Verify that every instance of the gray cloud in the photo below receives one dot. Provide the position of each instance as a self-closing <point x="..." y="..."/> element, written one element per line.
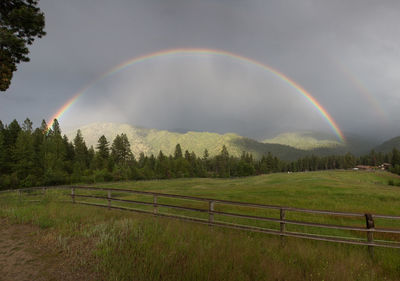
<point x="310" y="41"/>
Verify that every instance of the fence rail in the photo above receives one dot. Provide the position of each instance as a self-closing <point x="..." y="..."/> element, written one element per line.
<point x="281" y="221"/>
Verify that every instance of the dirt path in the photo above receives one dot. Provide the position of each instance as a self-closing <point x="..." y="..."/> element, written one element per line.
<point x="23" y="258"/>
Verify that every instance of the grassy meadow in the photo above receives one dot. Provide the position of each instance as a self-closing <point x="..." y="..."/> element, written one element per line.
<point x="121" y="245"/>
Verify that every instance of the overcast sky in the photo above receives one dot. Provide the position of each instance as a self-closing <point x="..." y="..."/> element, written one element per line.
<point x="345" y="53"/>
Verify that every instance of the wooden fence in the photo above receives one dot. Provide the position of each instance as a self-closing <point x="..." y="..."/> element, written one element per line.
<point x="368" y="229"/>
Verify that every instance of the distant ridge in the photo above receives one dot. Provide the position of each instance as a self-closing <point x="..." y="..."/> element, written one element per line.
<point x="388" y="146"/>
<point x="151" y="141"/>
<point x="306" y="140"/>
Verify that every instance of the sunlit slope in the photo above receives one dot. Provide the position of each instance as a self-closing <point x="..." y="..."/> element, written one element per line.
<point x="150" y="141"/>
<point x="306" y="140"/>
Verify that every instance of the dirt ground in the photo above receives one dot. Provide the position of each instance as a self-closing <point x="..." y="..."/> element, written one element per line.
<point x="24" y="257"/>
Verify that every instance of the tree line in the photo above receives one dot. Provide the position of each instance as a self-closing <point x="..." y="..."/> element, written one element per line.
<point x="42" y="156"/>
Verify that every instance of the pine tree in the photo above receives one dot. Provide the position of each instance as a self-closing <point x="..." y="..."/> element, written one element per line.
<point x="56" y="142"/>
<point x="187" y="155"/>
<point x="178" y="151"/>
<point x="27" y="125"/>
<point x="103" y="147"/>
<point x="223" y="163"/>
<point x="55" y="128"/>
<point x="69" y="155"/>
<point x="205" y="155"/>
<point x="38" y="145"/>
<point x="395" y="157"/>
<point x="81" y="151"/>
<point x="121" y="150"/>
<point x="349" y="161"/>
<point x="162" y="168"/>
<point x="10" y="135"/>
<point x="142" y="160"/>
<point x="2" y="152"/>
<point x="20" y="21"/>
<point x="24" y="156"/>
<point x="102" y="156"/>
<point x="43" y="126"/>
<point x="91" y="159"/>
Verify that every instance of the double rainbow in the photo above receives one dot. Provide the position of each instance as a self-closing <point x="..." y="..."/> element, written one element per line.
<point x="208" y="52"/>
<point x="360" y="86"/>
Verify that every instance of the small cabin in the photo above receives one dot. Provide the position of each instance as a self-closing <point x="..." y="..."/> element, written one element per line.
<point x="364" y="167"/>
<point x="385" y="166"/>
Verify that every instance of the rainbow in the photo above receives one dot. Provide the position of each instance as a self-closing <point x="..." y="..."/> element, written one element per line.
<point x="194" y="51"/>
<point x="378" y="109"/>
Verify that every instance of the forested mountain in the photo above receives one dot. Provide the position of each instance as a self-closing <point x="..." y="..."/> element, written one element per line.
<point x="151" y="141"/>
<point x="306" y="140"/>
<point x="290" y="146"/>
<point x="43" y="156"/>
<point x="323" y="143"/>
<point x="388" y="146"/>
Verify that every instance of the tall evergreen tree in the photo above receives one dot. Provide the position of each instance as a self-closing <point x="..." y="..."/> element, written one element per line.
<point x="54" y="156"/>
<point x="43" y="126"/>
<point x="2" y="153"/>
<point x="178" y="151"/>
<point x="69" y="155"/>
<point x="55" y="128"/>
<point x="121" y="150"/>
<point x="20" y="21"/>
<point x="395" y="157"/>
<point x="81" y="151"/>
<point x="102" y="156"/>
<point x="10" y="135"/>
<point x="27" y="125"/>
<point x="24" y="157"/>
<point x="205" y="154"/>
<point x="103" y="148"/>
<point x="57" y="143"/>
<point x="222" y="163"/>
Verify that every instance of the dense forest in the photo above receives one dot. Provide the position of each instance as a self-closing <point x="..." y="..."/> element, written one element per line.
<point x="42" y="156"/>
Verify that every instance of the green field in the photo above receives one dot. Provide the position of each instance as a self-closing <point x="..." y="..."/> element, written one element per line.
<point x="121" y="245"/>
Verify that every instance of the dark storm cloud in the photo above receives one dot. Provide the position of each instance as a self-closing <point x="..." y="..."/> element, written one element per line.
<point x="310" y="41"/>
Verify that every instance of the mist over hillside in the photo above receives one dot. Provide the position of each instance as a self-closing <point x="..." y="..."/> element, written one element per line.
<point x="388" y="145"/>
<point x="288" y="146"/>
<point x="306" y="140"/>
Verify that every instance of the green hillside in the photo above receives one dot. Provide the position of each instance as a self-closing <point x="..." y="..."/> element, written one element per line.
<point x="151" y="141"/>
<point x="388" y="146"/>
<point x="289" y="146"/>
<point x="323" y="144"/>
<point x="305" y="140"/>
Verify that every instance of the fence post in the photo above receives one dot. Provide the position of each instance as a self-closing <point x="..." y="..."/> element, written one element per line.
<point x="370" y="234"/>
<point x="155" y="208"/>
<point x="109" y="199"/>
<point x="73" y="194"/>
<point x="283" y="224"/>
<point x="211" y="211"/>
